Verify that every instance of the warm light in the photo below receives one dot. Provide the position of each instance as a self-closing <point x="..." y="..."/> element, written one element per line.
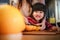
<point x="11" y="20"/>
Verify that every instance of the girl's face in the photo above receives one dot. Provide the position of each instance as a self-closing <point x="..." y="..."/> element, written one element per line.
<point x="26" y="9"/>
<point x="38" y="15"/>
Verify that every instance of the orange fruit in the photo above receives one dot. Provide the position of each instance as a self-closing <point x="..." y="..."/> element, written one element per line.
<point x="37" y="28"/>
<point x="30" y="27"/>
<point x="11" y="20"/>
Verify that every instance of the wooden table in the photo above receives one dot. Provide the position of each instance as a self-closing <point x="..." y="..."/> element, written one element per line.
<point x="41" y="35"/>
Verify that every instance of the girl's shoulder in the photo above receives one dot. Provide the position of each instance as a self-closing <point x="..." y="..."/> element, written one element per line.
<point x="29" y="18"/>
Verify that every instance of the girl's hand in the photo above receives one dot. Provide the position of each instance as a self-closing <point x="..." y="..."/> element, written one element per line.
<point x="54" y="28"/>
<point x="38" y="24"/>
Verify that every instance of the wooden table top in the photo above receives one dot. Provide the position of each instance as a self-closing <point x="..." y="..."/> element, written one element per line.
<point x="40" y="33"/>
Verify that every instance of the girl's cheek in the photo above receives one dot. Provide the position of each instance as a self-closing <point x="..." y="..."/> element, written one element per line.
<point x="34" y="14"/>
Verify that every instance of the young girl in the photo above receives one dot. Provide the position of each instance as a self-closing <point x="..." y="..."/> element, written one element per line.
<point x="38" y="17"/>
<point x="25" y="7"/>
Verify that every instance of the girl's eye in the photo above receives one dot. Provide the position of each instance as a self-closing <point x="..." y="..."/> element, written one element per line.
<point x="36" y="11"/>
<point x="41" y="12"/>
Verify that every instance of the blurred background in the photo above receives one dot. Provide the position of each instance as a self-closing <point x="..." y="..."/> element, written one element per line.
<point x="52" y="16"/>
<point x="53" y="11"/>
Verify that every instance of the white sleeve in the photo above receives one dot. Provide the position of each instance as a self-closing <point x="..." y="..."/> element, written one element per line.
<point x="43" y="24"/>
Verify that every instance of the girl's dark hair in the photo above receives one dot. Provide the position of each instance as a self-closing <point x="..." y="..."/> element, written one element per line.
<point x="38" y="7"/>
<point x="28" y="1"/>
<point x="19" y="4"/>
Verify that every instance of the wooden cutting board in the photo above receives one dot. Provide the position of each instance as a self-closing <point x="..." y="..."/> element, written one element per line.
<point x="38" y="33"/>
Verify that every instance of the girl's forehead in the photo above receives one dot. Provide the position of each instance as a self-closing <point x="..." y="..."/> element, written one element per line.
<point x="38" y="11"/>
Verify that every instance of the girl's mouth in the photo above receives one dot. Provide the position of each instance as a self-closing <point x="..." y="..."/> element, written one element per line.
<point x="38" y="16"/>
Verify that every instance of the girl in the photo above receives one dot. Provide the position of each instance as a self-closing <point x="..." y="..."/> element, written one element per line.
<point x="38" y="17"/>
<point x="25" y="6"/>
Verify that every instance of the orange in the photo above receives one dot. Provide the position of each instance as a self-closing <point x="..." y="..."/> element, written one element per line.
<point x="11" y="20"/>
<point x="30" y="27"/>
<point x="37" y="28"/>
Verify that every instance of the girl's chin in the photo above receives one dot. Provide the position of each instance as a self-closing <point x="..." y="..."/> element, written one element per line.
<point x="38" y="19"/>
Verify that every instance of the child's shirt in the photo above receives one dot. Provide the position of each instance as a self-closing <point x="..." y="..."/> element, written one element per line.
<point x="46" y="26"/>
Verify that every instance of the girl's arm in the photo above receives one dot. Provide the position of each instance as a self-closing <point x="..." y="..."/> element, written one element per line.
<point x="51" y="27"/>
<point x="48" y="24"/>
